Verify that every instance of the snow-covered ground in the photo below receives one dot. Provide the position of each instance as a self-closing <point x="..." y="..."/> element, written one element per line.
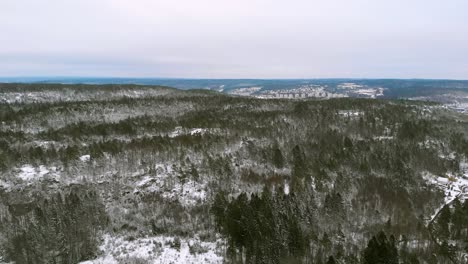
<point x="158" y="249"/>
<point x="382" y="138"/>
<point x="4" y="184"/>
<point x="187" y="192"/>
<point x="178" y="131"/>
<point x="85" y="158"/>
<point x="69" y="95"/>
<point x="350" y="113"/>
<point x="29" y="173"/>
<point x="453" y="187"/>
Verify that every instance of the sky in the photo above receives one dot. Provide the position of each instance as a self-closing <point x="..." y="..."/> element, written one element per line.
<point x="235" y="39"/>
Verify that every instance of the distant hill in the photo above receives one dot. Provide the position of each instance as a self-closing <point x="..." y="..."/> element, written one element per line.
<point x="393" y="88"/>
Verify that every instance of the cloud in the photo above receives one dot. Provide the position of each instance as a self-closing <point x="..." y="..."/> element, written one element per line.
<point x="243" y="38"/>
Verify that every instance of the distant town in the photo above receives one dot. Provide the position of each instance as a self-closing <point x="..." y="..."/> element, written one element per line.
<point x="312" y="91"/>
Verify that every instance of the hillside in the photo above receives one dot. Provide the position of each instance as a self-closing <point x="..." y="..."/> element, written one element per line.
<point x="151" y="174"/>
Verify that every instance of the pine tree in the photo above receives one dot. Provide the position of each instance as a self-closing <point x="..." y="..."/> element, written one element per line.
<point x="381" y="250"/>
<point x="299" y="170"/>
<point x="443" y="222"/>
<point x="278" y="160"/>
<point x="457" y="219"/>
<point x="194" y="172"/>
<point x="331" y="260"/>
<point x="219" y="210"/>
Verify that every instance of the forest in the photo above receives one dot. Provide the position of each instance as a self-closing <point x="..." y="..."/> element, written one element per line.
<point x="97" y="172"/>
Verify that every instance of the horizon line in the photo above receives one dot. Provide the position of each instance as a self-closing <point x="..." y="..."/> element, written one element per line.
<point x="44" y="78"/>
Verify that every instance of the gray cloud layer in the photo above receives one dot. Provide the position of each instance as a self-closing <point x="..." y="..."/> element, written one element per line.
<point x="231" y="39"/>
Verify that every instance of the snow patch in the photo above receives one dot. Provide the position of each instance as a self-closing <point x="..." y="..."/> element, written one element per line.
<point x="350" y="113"/>
<point x="29" y="173"/>
<point x="198" y="131"/>
<point x="157" y="249"/>
<point x="85" y="158"/>
<point x="452" y="186"/>
<point x="4" y="184"/>
<point x="188" y="194"/>
<point x="178" y="131"/>
<point x="187" y="191"/>
<point x="382" y="138"/>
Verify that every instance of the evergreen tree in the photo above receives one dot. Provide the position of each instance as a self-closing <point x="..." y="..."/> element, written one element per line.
<point x="458" y="219"/>
<point x="299" y="170"/>
<point x="278" y="160"/>
<point x="381" y="250"/>
<point x="194" y="172"/>
<point x="331" y="260"/>
<point x="219" y="210"/>
<point x="443" y="222"/>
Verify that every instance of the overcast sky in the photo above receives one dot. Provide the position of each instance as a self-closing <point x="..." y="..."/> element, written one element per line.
<point x="235" y="38"/>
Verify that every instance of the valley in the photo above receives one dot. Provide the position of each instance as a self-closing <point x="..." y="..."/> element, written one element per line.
<point x="152" y="174"/>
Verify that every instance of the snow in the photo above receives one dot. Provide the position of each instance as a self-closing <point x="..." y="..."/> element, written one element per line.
<point x="382" y="138"/>
<point x="108" y="259"/>
<point x="157" y="249"/>
<point x="69" y="95"/>
<point x="188" y="192"/>
<point x="29" y="173"/>
<point x="144" y="181"/>
<point x="44" y="144"/>
<point x="43" y="171"/>
<point x="453" y="187"/>
<point x="198" y="131"/>
<point x="442" y="180"/>
<point x="4" y="184"/>
<point x="350" y="113"/>
<point x="178" y="131"/>
<point x="85" y="158"/>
